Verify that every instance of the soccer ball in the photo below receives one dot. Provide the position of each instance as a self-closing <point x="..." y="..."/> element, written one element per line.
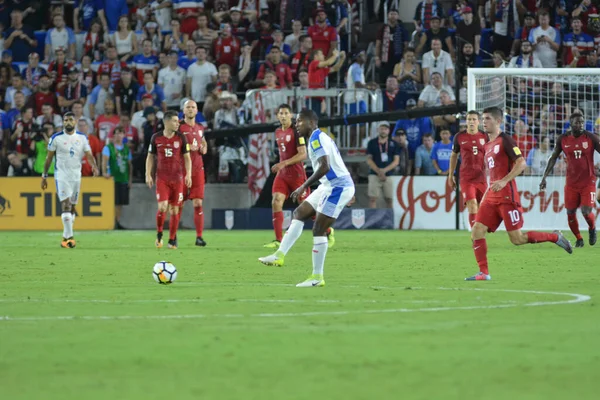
<point x="164" y="272"/>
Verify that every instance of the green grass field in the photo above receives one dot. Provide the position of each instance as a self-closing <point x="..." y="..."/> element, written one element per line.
<point x="396" y="319"/>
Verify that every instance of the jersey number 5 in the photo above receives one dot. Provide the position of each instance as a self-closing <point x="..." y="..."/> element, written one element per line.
<point x="282" y="147"/>
<point x="168" y="152"/>
<point x="475" y="150"/>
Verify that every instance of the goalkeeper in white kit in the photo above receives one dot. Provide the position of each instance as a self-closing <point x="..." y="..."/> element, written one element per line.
<point x="69" y="147"/>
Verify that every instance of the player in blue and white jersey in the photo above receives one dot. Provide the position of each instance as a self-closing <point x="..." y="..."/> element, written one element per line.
<point x="327" y="202"/>
<point x="69" y="147"/>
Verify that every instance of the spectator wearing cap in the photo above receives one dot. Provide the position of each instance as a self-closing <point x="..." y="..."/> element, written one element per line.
<point x="545" y="40"/>
<point x="126" y="91"/>
<point x="301" y="57"/>
<point x="240" y="26"/>
<point x="200" y="74"/>
<point x="47" y="116"/>
<point x="18" y="85"/>
<point x="415" y="128"/>
<point x="84" y="13"/>
<point x="187" y="12"/>
<point x="146" y="61"/>
<point x="293" y="39"/>
<point x="226" y="115"/>
<point x="468" y="29"/>
<point x="19" y="38"/>
<point x="324" y="37"/>
<point x="101" y="92"/>
<point x="436" y="32"/>
<point x="59" y="37"/>
<point x="139" y="117"/>
<point x="405" y="162"/>
<point x="425" y="12"/>
<point x="430" y="96"/>
<point x="32" y="73"/>
<point x="149" y="87"/>
<point x="226" y="48"/>
<point x="275" y="64"/>
<point x="203" y="36"/>
<point x="383" y="156"/>
<point x="286" y="51"/>
<point x="391" y="41"/>
<point x="437" y="60"/>
<point x="395" y="99"/>
<point x="457" y="14"/>
<point x="523" y="33"/>
<point x="172" y="80"/>
<point x="576" y="45"/>
<point x="73" y="91"/>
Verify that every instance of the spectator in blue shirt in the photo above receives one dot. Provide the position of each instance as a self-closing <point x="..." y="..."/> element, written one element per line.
<point x="158" y="96"/>
<point x="60" y="36"/>
<point x="111" y="12"/>
<point x="423" y="161"/>
<point x="415" y="128"/>
<point x="440" y="155"/>
<point x="84" y="13"/>
<point x="19" y="38"/>
<point x="383" y="156"/>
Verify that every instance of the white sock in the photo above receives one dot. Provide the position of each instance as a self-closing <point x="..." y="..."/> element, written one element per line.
<point x="73" y="218"/>
<point x="319" y="252"/>
<point x="67" y="219"/>
<point x="290" y="237"/>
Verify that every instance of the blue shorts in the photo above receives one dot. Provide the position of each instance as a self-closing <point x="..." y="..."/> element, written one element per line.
<point x="356" y="108"/>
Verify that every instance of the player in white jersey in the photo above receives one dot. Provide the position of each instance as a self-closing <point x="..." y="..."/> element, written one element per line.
<point x="69" y="147"/>
<point x="327" y="202"/>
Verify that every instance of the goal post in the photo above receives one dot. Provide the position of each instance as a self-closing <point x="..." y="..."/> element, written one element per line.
<point x="537" y="104"/>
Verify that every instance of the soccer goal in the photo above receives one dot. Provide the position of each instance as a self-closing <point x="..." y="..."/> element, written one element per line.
<point x="537" y="104"/>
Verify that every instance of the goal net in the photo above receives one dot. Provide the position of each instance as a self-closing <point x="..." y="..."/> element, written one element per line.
<point x="537" y="103"/>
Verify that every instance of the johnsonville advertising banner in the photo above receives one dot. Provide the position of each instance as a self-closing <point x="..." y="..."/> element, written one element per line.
<point x="428" y="203"/>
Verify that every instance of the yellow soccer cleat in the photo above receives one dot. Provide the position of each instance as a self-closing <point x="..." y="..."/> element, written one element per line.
<point x="273" y="245"/>
<point x="275" y="260"/>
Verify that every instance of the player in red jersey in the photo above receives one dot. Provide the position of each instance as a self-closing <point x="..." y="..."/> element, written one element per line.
<point x="580" y="189"/>
<point x="471" y="147"/>
<point x="194" y="134"/>
<point x="169" y="147"/>
<point x="501" y="201"/>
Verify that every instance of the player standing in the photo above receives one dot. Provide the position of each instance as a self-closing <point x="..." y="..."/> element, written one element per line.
<point x="69" y="146"/>
<point x="473" y="182"/>
<point x="580" y="190"/>
<point x="194" y="134"/>
<point x="327" y="202"/>
<point x="501" y="201"/>
<point x="169" y="147"/>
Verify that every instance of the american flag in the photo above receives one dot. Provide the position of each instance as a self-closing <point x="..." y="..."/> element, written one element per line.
<point x="258" y="157"/>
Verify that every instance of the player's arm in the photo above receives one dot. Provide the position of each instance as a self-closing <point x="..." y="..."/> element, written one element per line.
<point x="150" y="161"/>
<point x="298" y="158"/>
<point x="47" y="163"/>
<point x="519" y="164"/>
<point x="187" y="160"/>
<point x="453" y="163"/>
<point x="551" y="162"/>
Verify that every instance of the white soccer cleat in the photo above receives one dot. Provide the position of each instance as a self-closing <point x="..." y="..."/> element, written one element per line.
<point x="274" y="260"/>
<point x="313" y="281"/>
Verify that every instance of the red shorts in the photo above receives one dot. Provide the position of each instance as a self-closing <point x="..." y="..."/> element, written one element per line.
<point x="575" y="198"/>
<point x="492" y="215"/>
<point x="286" y="184"/>
<point x="170" y="191"/>
<point x="197" y="189"/>
<point x="472" y="191"/>
<point x="189" y="25"/>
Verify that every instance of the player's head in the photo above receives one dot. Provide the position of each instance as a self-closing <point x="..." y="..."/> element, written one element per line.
<point x="306" y="122"/>
<point x="472" y="121"/>
<point x="492" y="118"/>
<point x="190" y="109"/>
<point x="284" y="114"/>
<point x="171" y="121"/>
<point x="577" y="122"/>
<point x="69" y="122"/>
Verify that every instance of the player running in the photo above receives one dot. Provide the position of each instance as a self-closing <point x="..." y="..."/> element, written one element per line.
<point x="194" y="134"/>
<point x="169" y="147"/>
<point x="580" y="190"/>
<point x="501" y="201"/>
<point x="327" y="202"/>
<point x="69" y="147"/>
<point x="473" y="182"/>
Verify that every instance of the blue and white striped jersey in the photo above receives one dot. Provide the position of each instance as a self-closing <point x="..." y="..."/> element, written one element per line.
<point x="320" y="144"/>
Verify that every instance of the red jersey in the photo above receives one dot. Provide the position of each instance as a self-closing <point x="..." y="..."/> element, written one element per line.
<point x="282" y="71"/>
<point x="500" y="156"/>
<point x="322" y="37"/>
<point x="105" y="125"/>
<point x="59" y="69"/>
<point x="300" y="60"/>
<point x="226" y="51"/>
<point x="526" y="143"/>
<point x="193" y="135"/>
<point x="96" y="147"/>
<point x="169" y="153"/>
<point x="113" y="69"/>
<point x="41" y="98"/>
<point x="580" y="158"/>
<point x="316" y="75"/>
<point x="288" y="141"/>
<point x="472" y="153"/>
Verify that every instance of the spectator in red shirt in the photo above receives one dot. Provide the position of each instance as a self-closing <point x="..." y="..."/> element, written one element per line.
<point x="274" y="63"/>
<point x="43" y="95"/>
<point x="300" y="59"/>
<point x="107" y="122"/>
<point x="324" y="37"/>
<point x="96" y="147"/>
<point x="226" y="48"/>
<point x="112" y="65"/>
<point x="58" y="69"/>
<point x="524" y="139"/>
<point x="318" y="70"/>
<point x="131" y="133"/>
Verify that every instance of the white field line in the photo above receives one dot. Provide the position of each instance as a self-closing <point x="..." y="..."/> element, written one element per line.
<point x="144" y="301"/>
<point x="574" y="298"/>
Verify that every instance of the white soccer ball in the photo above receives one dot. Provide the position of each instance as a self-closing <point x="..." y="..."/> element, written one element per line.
<point x="164" y="272"/>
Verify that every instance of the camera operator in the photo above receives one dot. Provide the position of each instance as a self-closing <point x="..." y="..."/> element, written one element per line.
<point x="39" y="148"/>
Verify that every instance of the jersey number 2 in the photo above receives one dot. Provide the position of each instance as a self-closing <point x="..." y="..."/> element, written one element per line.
<point x="490" y="163"/>
<point x="168" y="152"/>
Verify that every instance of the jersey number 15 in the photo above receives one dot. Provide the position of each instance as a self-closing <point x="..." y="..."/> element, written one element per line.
<point x="168" y="152"/>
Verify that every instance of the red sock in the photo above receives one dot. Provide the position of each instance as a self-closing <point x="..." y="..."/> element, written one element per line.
<point x="591" y="220"/>
<point x="278" y="225"/>
<point x="574" y="225"/>
<point x="199" y="220"/>
<point x="173" y="225"/>
<point x="541" y="237"/>
<point x="472" y="219"/>
<point x="480" y="250"/>
<point x="328" y="231"/>
<point x="160" y="221"/>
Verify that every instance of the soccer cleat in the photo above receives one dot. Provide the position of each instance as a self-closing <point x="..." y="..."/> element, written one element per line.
<point x="275" y="259"/>
<point x="273" y="245"/>
<point x="172" y="244"/>
<point x="200" y="242"/>
<point x="479" y="277"/>
<point x="71" y="243"/>
<point x="313" y="281"/>
<point x="579" y="243"/>
<point x="64" y="243"/>
<point x="592" y="236"/>
<point x="563" y="242"/>
<point x="159" y="242"/>
<point x="331" y="238"/>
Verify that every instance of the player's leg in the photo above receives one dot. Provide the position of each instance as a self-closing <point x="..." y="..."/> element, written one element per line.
<point x="67" y="220"/>
<point x="487" y="220"/>
<point x="588" y="200"/>
<point x="175" y="201"/>
<point x="162" y="198"/>
<point x="572" y="202"/>
<point x="197" y="195"/>
<point x="471" y="195"/>
<point x="280" y="192"/>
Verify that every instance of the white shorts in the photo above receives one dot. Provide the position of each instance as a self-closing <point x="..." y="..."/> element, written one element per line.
<point x="68" y="190"/>
<point x="329" y="200"/>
